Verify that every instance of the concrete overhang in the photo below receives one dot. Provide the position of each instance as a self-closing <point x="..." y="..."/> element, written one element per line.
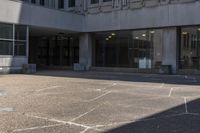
<point x="146" y="17"/>
<point x="20" y="13"/>
<point x="168" y="15"/>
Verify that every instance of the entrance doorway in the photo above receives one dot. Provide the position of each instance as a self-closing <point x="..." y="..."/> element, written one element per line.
<point x="54" y="52"/>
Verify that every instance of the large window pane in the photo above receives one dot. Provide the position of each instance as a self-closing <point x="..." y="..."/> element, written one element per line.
<point x="190" y="48"/>
<point x="6" y="31"/>
<point x="20" y="32"/>
<point x="60" y="4"/>
<point x="20" y="48"/>
<point x="94" y="1"/>
<point x="71" y="3"/>
<point x="6" y="47"/>
<point x="135" y="49"/>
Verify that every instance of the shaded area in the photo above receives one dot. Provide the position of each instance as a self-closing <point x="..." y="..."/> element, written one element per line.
<point x="166" y="122"/>
<point x="131" y="77"/>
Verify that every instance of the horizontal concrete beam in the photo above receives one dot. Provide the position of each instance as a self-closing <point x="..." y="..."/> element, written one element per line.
<point x="27" y="14"/>
<point x="147" y="17"/>
<point x="165" y="15"/>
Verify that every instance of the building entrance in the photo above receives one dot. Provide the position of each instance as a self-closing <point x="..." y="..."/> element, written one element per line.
<point x="54" y="52"/>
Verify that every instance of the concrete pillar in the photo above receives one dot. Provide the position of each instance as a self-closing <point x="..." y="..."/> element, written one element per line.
<point x="85" y="50"/>
<point x="170" y="48"/>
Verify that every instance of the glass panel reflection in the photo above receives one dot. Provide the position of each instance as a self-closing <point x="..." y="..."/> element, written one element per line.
<point x="190" y="48"/>
<point x="135" y="49"/>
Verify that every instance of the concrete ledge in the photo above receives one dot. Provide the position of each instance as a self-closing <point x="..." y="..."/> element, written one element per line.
<point x="129" y="70"/>
<point x="7" y="70"/>
<point x="188" y="71"/>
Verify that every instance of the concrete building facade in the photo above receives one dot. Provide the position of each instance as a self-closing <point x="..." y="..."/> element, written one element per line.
<point x="110" y="35"/>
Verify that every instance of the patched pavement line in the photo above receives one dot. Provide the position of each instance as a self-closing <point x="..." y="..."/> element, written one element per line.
<point x="82" y="115"/>
<point x="47" y="88"/>
<point x="113" y="84"/>
<point x="63" y="122"/>
<point x="96" y="98"/>
<point x="186" y="107"/>
<point x="170" y="92"/>
<point x="35" y="128"/>
<point x="6" y="109"/>
<point x="78" y="117"/>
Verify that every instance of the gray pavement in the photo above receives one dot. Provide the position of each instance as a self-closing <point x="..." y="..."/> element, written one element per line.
<point x="90" y="102"/>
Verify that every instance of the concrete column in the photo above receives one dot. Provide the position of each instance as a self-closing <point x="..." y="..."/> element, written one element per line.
<point x="85" y="50"/>
<point x="170" y="48"/>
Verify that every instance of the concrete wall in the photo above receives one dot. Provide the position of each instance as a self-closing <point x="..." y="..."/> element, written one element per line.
<point x="147" y="17"/>
<point x="18" y="13"/>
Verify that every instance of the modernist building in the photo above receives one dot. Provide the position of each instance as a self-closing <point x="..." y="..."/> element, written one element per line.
<point x="123" y="35"/>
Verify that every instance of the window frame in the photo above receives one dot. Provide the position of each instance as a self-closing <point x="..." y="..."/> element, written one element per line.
<point x="13" y="41"/>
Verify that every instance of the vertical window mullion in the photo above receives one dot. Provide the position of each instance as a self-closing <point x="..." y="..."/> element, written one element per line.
<point x="27" y="41"/>
<point x="13" y="39"/>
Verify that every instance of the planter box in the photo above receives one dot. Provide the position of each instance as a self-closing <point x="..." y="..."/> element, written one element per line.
<point x="79" y="67"/>
<point x="29" y="68"/>
<point x="165" y="69"/>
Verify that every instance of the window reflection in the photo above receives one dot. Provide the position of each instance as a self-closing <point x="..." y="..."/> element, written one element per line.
<point x="6" y="31"/>
<point x="190" y="48"/>
<point x="6" y="47"/>
<point x="9" y="38"/>
<point x="135" y="49"/>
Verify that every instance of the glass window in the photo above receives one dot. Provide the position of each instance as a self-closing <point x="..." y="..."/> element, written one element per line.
<point x="107" y="0"/>
<point x="42" y="2"/>
<point x="20" y="48"/>
<point x="6" y="47"/>
<point x="20" y="40"/>
<point x="71" y="3"/>
<point x="94" y="1"/>
<point x="190" y="48"/>
<point x="33" y="1"/>
<point x="60" y="4"/>
<point x="135" y="49"/>
<point x="20" y="32"/>
<point x="6" y="31"/>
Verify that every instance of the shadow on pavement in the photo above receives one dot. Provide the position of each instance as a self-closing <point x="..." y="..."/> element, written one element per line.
<point x="174" y="120"/>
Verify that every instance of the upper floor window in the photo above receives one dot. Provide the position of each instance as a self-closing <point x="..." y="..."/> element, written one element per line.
<point x="60" y="4"/>
<point x="71" y="3"/>
<point x="94" y="1"/>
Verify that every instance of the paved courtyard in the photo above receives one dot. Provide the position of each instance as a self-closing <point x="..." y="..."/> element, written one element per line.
<point x="90" y="102"/>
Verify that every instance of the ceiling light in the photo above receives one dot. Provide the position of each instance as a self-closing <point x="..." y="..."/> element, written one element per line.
<point x="143" y="35"/>
<point x="113" y="34"/>
<point x="136" y="37"/>
<point x="109" y="36"/>
<point x="107" y="39"/>
<point x="152" y="32"/>
<point x="184" y="33"/>
<point x="198" y="29"/>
